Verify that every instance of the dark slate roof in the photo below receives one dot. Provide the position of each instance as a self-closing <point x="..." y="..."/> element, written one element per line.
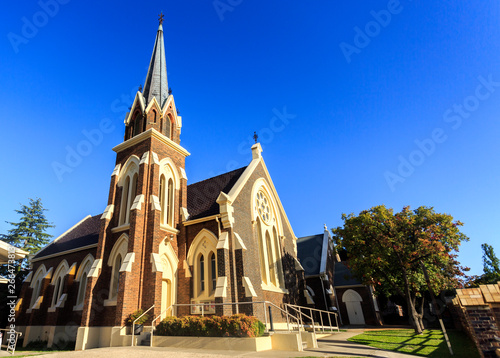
<point x="344" y="276"/>
<point x="202" y="196"/>
<point x="309" y="252"/>
<point x="84" y="234"/>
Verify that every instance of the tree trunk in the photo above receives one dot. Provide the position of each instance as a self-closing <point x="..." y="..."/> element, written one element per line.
<point x="412" y="313"/>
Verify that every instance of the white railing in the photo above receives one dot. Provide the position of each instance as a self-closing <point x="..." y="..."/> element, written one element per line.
<point x="265" y="304"/>
<point x="133" y="324"/>
<point x="300" y="309"/>
<point x="11" y="341"/>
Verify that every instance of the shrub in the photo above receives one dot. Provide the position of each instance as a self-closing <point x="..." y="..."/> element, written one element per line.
<point x="216" y="326"/>
<point x="134" y="315"/>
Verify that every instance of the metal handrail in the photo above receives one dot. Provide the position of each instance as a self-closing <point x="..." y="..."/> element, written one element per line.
<point x="287" y="314"/>
<point x="10" y="348"/>
<point x="133" y="324"/>
<point x="302" y="314"/>
<point x="299" y="308"/>
<point x="153" y="324"/>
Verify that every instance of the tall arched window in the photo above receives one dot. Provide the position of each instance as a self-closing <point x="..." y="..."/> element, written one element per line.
<point x="213" y="271"/>
<point x="128" y="181"/>
<point x="124" y="203"/>
<point x="58" y="282"/>
<point x="201" y="268"/>
<point x="57" y="291"/>
<point x="277" y="250"/>
<point x="270" y="259"/>
<point x="168" y="125"/>
<point x="137" y="124"/>
<point x="268" y="239"/>
<point x="162" y="199"/>
<point x="170" y="203"/>
<point x="169" y="183"/>
<point x="81" y="278"/>
<point x="202" y="257"/>
<point x="115" y="277"/>
<point x="262" y="253"/>
<point x="115" y="260"/>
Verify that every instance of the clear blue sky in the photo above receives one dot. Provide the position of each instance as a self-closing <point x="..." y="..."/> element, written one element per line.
<point x="357" y="96"/>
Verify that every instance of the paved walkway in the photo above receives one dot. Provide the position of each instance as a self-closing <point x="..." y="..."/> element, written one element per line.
<point x="332" y="345"/>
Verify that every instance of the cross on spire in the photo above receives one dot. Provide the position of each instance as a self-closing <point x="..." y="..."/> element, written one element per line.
<point x="255" y="136"/>
<point x="160" y="18"/>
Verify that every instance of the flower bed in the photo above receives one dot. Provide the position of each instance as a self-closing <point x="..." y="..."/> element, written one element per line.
<point x="215" y="326"/>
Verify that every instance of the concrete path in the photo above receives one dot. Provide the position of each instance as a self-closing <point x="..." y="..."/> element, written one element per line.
<point x="332" y="345"/>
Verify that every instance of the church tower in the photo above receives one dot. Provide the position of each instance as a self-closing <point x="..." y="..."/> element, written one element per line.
<point x="137" y="253"/>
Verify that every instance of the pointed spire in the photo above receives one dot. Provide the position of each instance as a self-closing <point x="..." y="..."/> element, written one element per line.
<point x="156" y="84"/>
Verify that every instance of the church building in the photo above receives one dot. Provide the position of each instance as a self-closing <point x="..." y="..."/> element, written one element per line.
<point x="161" y="242"/>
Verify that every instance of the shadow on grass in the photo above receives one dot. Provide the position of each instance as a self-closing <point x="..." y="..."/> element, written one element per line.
<point x="429" y="344"/>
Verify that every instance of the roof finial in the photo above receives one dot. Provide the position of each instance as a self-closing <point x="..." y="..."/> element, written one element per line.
<point x="326" y="228"/>
<point x="255" y="136"/>
<point x="160" y="18"/>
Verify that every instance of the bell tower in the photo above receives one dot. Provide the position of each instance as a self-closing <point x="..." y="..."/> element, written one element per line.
<point x="137" y="253"/>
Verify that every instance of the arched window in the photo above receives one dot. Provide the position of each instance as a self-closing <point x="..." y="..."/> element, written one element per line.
<point x="162" y="199"/>
<point x="202" y="256"/>
<point x="58" y="282"/>
<point x="262" y="253"/>
<point x="115" y="260"/>
<point x="170" y="202"/>
<point x="36" y="283"/>
<point x="115" y="278"/>
<point x="169" y="183"/>
<point x="201" y="277"/>
<point x="277" y="250"/>
<point x="154" y="116"/>
<point x="213" y="271"/>
<point x="168" y="125"/>
<point x="57" y="292"/>
<point x="270" y="259"/>
<point x="268" y="239"/>
<point x="124" y="204"/>
<point x="161" y="125"/>
<point x="129" y="183"/>
<point x="81" y="277"/>
<point x="137" y="124"/>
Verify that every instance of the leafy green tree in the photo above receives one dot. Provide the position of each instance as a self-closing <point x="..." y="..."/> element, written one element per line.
<point x="29" y="233"/>
<point x="388" y="250"/>
<point x="491" y="265"/>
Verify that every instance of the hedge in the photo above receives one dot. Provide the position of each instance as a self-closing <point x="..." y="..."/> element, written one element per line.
<point x="238" y="325"/>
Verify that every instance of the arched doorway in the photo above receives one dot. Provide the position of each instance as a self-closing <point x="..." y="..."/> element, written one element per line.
<point x="353" y="300"/>
<point x="169" y="279"/>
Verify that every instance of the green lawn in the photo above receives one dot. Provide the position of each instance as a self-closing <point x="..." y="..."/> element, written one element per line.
<point x="429" y="344"/>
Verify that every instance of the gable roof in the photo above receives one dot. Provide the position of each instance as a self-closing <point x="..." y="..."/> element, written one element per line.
<point x="85" y="233"/>
<point x="310" y="253"/>
<point x="202" y="196"/>
<point x="344" y="276"/>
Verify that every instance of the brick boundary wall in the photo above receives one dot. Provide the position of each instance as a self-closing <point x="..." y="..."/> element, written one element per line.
<point x="477" y="312"/>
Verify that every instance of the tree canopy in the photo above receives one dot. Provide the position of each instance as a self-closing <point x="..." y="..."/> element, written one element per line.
<point x="388" y="249"/>
<point x="29" y="233"/>
<point x="491" y="266"/>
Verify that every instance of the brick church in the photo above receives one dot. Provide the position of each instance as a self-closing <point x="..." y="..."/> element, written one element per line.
<point x="161" y="241"/>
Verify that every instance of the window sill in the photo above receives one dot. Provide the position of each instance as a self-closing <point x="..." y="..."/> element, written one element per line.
<point x="51" y="309"/>
<point x="274" y="289"/>
<point x="78" y="308"/>
<point x="108" y="303"/>
<point x="120" y="228"/>
<point x="169" y="228"/>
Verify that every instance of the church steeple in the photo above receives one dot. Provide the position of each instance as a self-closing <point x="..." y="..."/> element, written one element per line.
<point x="156" y="84"/>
